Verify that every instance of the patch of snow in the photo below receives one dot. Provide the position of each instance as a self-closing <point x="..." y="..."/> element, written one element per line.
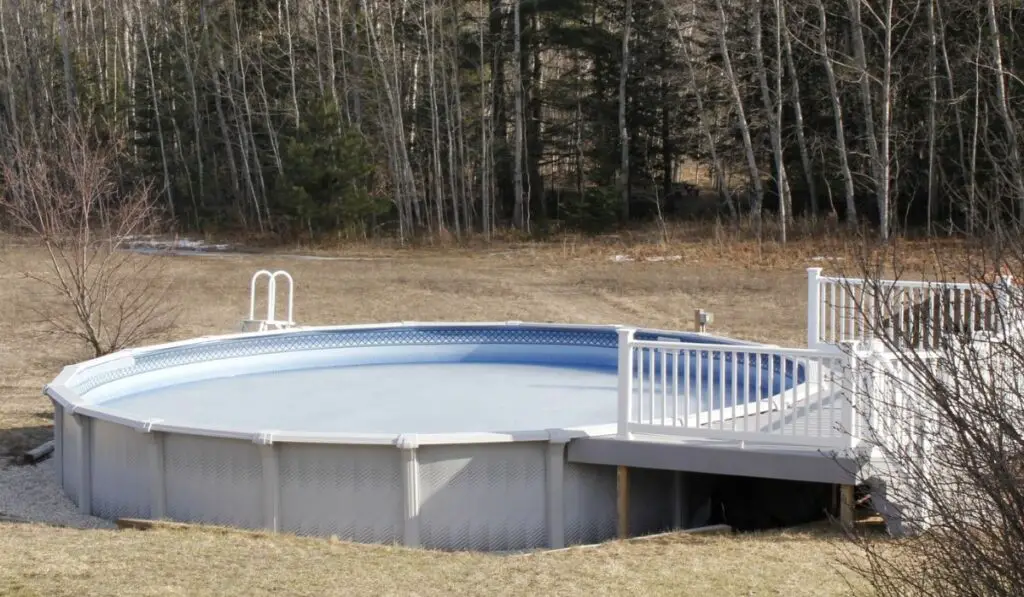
<point x="175" y="244"/>
<point x="654" y="258"/>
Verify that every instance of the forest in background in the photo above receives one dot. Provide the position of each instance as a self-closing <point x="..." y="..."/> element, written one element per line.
<point x="458" y="118"/>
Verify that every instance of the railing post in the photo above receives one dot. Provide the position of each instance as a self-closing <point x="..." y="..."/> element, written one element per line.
<point x="625" y="373"/>
<point x="813" y="306"/>
<point x="848" y="413"/>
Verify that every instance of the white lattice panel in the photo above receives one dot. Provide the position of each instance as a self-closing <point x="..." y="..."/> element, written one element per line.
<point x="354" y="492"/>
<point x="589" y="503"/>
<point x="215" y="481"/>
<point x="483" y="497"/>
<point x="120" y="471"/>
<point x="72" y="466"/>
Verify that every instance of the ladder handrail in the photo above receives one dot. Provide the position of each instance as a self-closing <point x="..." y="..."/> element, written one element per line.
<point x="271" y="295"/>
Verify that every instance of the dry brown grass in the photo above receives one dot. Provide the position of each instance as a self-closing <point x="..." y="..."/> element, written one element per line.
<point x="756" y="298"/>
<point x="48" y="561"/>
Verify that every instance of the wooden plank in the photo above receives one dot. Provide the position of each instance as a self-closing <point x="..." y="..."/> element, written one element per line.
<point x="622" y="501"/>
<point x="146" y="524"/>
<point x="846" y="506"/>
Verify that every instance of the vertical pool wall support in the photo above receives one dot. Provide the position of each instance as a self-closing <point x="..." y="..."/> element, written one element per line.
<point x="271" y="481"/>
<point x="554" y="498"/>
<point x="58" y="442"/>
<point x="157" y="477"/>
<point x="408" y="445"/>
<point x="84" y="463"/>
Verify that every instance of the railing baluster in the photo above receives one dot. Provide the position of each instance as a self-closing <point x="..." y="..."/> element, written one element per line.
<point x="675" y="388"/>
<point x="688" y="369"/>
<point x="931" y="318"/>
<point x="843" y="316"/>
<point x="640" y="385"/>
<point x="832" y="311"/>
<point x="772" y="396"/>
<point x="721" y="390"/>
<point x="758" y="390"/>
<point x="819" y="377"/>
<point x="972" y="325"/>
<point x="653" y="385"/>
<point x="665" y="385"/>
<point x="699" y="368"/>
<point x="735" y="389"/>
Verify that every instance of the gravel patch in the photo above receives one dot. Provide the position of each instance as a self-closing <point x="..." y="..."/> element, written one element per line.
<point x="31" y="493"/>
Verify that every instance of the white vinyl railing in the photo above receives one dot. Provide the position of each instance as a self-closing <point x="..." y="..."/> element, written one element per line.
<point x="745" y="392"/>
<point x="842" y="310"/>
<point x="893" y="404"/>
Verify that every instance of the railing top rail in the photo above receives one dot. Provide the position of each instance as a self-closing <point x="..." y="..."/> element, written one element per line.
<point x="888" y="355"/>
<point x="828" y="352"/>
<point x="899" y="283"/>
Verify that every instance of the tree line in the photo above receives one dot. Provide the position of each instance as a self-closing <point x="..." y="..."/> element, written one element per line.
<point x="412" y="117"/>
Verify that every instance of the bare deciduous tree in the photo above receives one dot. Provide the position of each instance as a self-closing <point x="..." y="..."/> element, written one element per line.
<point x="65" y="195"/>
<point x="943" y="394"/>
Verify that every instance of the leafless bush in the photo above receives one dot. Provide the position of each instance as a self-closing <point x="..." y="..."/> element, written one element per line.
<point x="946" y="419"/>
<point x="66" y="194"/>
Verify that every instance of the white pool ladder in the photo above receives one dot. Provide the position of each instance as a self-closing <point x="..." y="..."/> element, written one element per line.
<point x="270" y="322"/>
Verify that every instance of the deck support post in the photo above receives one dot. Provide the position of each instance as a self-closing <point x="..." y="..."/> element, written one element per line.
<point x="846" y="506"/>
<point x="622" y="501"/>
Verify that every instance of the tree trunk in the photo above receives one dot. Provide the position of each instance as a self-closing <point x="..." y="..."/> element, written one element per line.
<point x="933" y="91"/>
<point x="623" y="129"/>
<point x="837" y="115"/>
<point x="881" y="180"/>
<point x="156" y="110"/>
<point x="737" y="98"/>
<point x="773" y="112"/>
<point x="1003" y="103"/>
<point x="519" y="207"/>
<point x="798" y="114"/>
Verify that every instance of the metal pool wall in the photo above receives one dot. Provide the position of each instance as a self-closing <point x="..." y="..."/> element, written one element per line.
<point x="466" y="496"/>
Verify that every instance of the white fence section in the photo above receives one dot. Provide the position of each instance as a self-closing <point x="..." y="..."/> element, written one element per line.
<point x="893" y="405"/>
<point x="919" y="314"/>
<point x="270" y="322"/>
<point x="742" y="392"/>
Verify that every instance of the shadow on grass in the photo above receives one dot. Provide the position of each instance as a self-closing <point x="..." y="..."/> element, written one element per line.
<point x="15" y="441"/>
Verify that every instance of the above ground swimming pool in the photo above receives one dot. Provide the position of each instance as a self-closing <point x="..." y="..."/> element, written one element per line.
<point x="448" y="436"/>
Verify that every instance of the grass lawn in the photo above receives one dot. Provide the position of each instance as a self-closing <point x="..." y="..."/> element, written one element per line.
<point x="764" y="300"/>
